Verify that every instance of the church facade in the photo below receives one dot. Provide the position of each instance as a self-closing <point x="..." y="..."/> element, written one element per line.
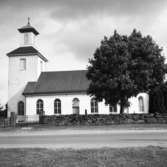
<point x="32" y="91"/>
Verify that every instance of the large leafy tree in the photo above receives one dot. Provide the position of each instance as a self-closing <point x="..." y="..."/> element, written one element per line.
<point x="123" y="66"/>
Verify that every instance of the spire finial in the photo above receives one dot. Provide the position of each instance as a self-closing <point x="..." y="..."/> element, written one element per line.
<point x="28" y="20"/>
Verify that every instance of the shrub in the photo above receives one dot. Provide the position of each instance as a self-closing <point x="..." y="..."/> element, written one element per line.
<point x="77" y="120"/>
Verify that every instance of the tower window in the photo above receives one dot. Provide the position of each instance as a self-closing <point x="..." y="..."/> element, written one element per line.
<point x="26" y="38"/>
<point x="22" y="64"/>
<point x="41" y="64"/>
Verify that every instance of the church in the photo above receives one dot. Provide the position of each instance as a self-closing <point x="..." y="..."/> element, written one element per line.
<point x="33" y="91"/>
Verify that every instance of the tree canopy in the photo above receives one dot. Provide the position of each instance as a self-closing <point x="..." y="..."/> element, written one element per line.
<point x="123" y="66"/>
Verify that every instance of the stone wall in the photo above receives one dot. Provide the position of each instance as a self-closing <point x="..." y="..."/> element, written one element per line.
<point x="72" y="120"/>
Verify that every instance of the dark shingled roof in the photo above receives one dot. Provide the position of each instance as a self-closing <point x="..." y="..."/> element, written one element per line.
<point x="30" y="50"/>
<point x="59" y="82"/>
<point x="30" y="87"/>
<point x="28" y="28"/>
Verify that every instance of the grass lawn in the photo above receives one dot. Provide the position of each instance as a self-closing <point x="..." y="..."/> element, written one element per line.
<point x="39" y="127"/>
<point x="105" y="157"/>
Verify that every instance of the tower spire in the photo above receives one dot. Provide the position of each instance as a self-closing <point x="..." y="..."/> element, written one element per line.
<point x="28" y="20"/>
<point x="28" y="28"/>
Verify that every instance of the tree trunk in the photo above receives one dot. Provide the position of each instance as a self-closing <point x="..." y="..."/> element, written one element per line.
<point x="121" y="107"/>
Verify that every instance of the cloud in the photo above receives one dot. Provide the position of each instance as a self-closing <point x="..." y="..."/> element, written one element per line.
<point x="71" y="9"/>
<point x="79" y="25"/>
<point x="71" y="30"/>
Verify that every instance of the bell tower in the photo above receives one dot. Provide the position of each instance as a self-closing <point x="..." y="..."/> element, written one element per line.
<point x="28" y="34"/>
<point x="25" y="65"/>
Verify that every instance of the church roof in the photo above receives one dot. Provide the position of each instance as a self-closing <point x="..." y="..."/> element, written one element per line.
<point x="30" y="87"/>
<point x="58" y="82"/>
<point x="30" y="50"/>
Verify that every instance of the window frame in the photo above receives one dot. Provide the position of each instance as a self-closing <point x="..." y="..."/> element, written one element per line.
<point x="41" y="65"/>
<point x="26" y="38"/>
<point x="20" y="108"/>
<point x="94" y="106"/>
<point x="141" y="104"/>
<point x="113" y="108"/>
<point x="40" y="107"/>
<point x="57" y="106"/>
<point x="22" y="64"/>
<point x="76" y="105"/>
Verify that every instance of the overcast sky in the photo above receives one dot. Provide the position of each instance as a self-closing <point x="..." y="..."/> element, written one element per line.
<point x="70" y="30"/>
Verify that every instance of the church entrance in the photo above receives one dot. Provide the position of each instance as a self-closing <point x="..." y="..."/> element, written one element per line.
<point x="75" y="106"/>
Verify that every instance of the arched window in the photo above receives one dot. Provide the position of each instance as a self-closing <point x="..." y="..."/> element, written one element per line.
<point x="94" y="105"/>
<point x="113" y="108"/>
<point x="141" y="104"/>
<point x="75" y="106"/>
<point x="20" y="108"/>
<point x="40" y="105"/>
<point x="57" y="106"/>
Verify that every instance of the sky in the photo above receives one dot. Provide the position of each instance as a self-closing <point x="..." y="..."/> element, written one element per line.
<point x="71" y="30"/>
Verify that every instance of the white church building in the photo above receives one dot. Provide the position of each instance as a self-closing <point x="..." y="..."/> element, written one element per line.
<point x="32" y="91"/>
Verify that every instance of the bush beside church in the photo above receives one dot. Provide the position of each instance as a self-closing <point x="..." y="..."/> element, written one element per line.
<point x="158" y="99"/>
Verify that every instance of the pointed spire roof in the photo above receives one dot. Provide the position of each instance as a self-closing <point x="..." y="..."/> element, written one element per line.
<point x="28" y="28"/>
